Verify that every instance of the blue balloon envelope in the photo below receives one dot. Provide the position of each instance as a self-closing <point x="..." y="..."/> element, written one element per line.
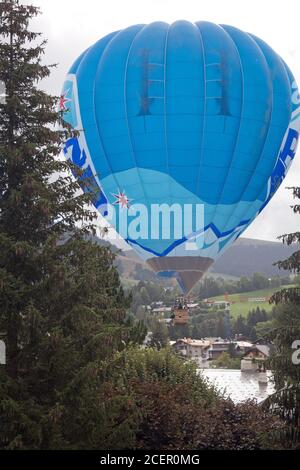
<point x="185" y="132"/>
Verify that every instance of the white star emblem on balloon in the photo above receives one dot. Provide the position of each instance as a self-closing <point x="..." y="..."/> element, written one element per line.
<point x="122" y="200"/>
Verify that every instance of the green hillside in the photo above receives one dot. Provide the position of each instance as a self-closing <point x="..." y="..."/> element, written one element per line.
<point x="242" y="303"/>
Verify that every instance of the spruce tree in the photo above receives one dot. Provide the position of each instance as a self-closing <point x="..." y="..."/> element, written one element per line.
<point x="62" y="308"/>
<point x="286" y="335"/>
<point x="35" y="212"/>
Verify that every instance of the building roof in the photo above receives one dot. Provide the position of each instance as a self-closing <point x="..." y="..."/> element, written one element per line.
<point x="244" y="344"/>
<point x="222" y="341"/>
<point x="239" y="386"/>
<point x="162" y="309"/>
<point x="200" y="343"/>
<point x="264" y="349"/>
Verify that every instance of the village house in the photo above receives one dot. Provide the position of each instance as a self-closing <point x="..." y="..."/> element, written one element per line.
<point x="242" y="347"/>
<point x="207" y="348"/>
<point x="195" y="349"/>
<point x="218" y="346"/>
<point x="255" y="358"/>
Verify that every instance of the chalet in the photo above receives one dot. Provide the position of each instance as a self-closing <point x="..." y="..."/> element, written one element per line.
<point x="242" y="347"/>
<point x="219" y="346"/>
<point x="255" y="358"/>
<point x="195" y="349"/>
<point x="180" y="346"/>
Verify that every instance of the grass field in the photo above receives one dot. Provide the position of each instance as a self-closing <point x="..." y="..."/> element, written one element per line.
<point x="241" y="305"/>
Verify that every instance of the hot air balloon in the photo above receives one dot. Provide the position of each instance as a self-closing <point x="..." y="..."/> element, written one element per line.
<point x="186" y="132"/>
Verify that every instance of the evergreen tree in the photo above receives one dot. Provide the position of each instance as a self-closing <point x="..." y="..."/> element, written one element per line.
<point x="259" y="281"/>
<point x="220" y="327"/>
<point x="160" y="334"/>
<point x="284" y="335"/>
<point x="240" y="326"/>
<point x="62" y="308"/>
<point x="34" y="212"/>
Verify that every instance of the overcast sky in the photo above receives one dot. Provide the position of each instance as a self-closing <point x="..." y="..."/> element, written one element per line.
<point x="71" y="26"/>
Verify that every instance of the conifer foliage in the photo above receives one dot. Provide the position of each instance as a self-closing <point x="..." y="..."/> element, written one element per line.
<point x="62" y="308"/>
<point x="285" y="360"/>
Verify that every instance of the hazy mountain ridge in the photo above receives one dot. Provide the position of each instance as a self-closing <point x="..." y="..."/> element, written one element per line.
<point x="245" y="257"/>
